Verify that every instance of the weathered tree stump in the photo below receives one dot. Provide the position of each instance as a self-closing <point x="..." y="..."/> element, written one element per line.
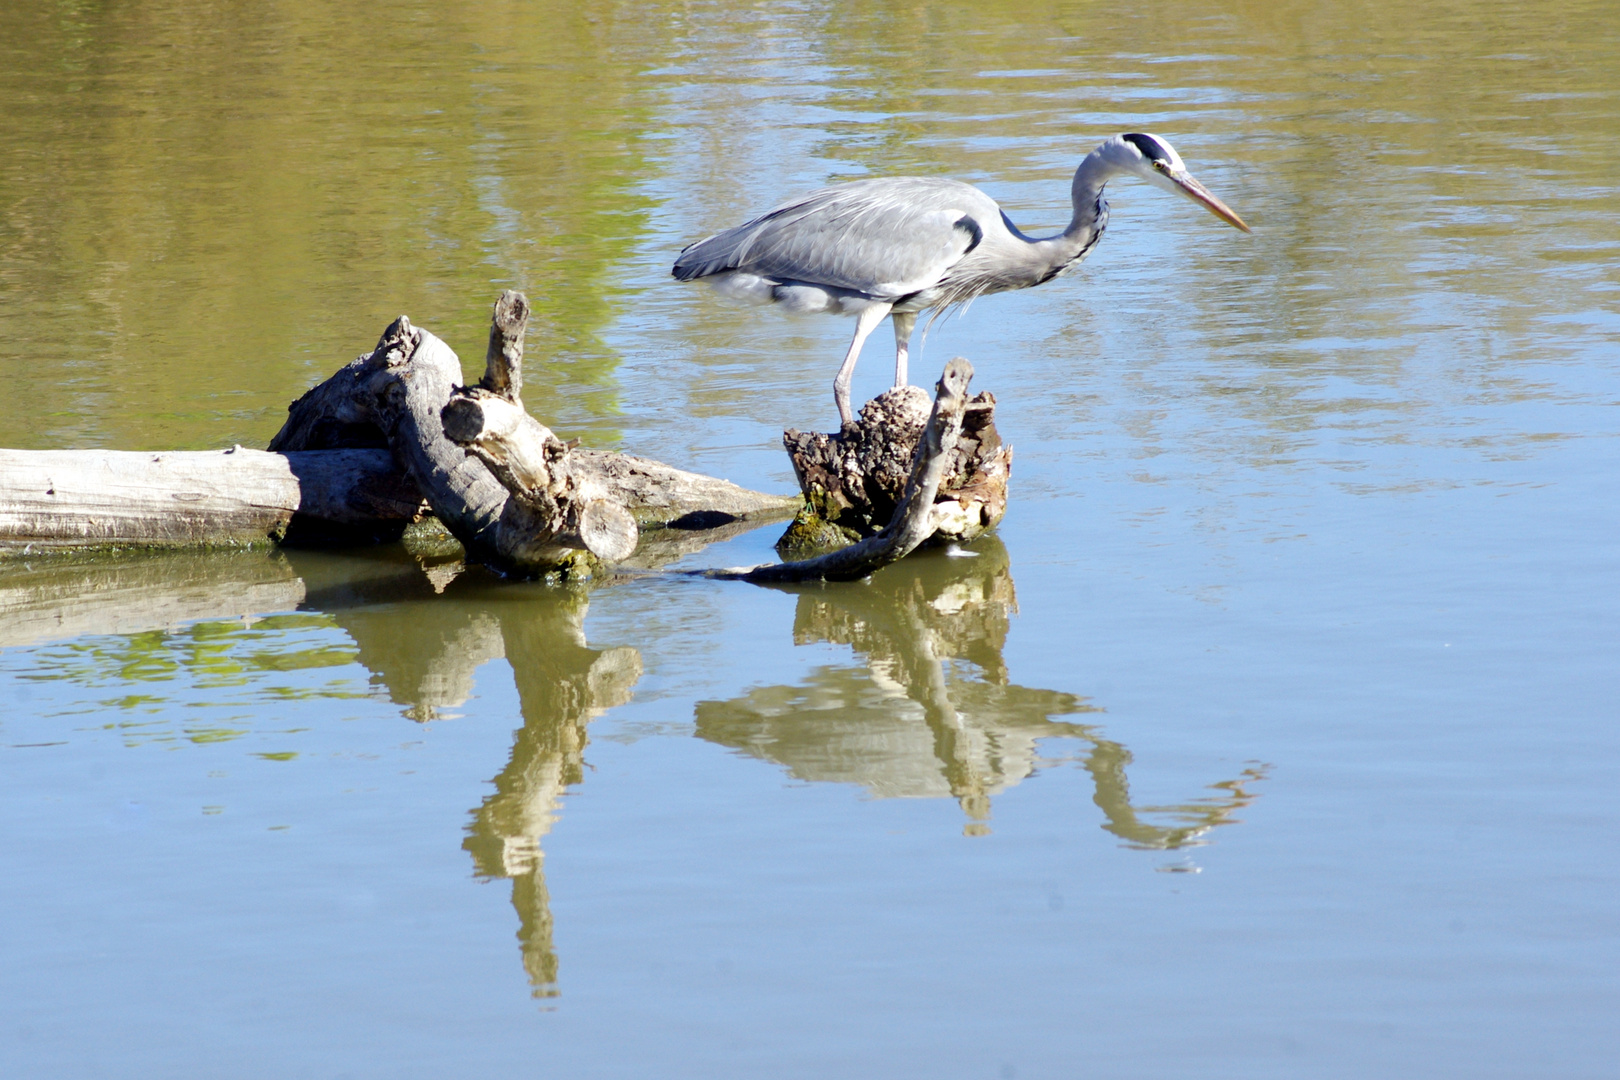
<point x="913" y="519"/>
<point x="853" y="480"/>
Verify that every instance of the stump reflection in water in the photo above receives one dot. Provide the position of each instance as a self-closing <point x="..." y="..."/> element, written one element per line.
<point x="932" y="712"/>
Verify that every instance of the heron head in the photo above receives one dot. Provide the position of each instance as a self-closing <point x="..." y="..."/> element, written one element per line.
<point x="1157" y="162"/>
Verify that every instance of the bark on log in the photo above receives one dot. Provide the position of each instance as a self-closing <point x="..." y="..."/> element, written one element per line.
<point x="64" y="499"/>
<point x="852" y="480"/>
<point x="912" y="521"/>
<point x="395" y="392"/>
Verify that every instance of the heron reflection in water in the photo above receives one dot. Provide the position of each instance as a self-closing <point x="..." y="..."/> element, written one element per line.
<point x="932" y="713"/>
<point x="899" y="246"/>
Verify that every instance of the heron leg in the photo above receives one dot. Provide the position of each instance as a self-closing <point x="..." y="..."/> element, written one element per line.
<point x="903" y="323"/>
<point x="865" y="323"/>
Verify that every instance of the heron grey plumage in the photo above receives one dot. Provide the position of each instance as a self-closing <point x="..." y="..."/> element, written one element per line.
<point x="898" y="246"/>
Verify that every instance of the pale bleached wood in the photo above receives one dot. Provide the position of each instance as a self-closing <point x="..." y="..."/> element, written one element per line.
<point x="658" y="494"/>
<point x="395" y="393"/>
<point x="551" y="512"/>
<point x="520" y="450"/>
<point x="57" y="499"/>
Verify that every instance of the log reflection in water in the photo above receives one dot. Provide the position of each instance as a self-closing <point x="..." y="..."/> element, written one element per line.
<point x="428" y="665"/>
<point x="59" y="598"/>
<point x="932" y="713"/>
<point x="562" y="684"/>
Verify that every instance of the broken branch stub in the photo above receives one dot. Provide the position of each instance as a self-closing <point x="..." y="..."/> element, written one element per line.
<point x="503" y="361"/>
<point x="551" y="513"/>
<point x="517" y="448"/>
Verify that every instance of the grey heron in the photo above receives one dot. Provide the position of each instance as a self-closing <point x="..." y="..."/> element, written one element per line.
<point x="898" y="246"/>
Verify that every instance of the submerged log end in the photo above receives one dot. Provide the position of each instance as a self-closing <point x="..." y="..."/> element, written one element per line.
<point x="608" y="530"/>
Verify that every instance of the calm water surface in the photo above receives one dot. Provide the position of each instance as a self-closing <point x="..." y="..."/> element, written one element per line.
<point x="1274" y="734"/>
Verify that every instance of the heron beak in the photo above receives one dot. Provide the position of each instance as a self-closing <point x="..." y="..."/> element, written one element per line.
<point x="1200" y="194"/>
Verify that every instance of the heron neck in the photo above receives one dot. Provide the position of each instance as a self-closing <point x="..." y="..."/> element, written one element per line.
<point x="1090" y="208"/>
<point x="1062" y="251"/>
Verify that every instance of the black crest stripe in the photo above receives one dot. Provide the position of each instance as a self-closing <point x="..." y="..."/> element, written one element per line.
<point x="1151" y="148"/>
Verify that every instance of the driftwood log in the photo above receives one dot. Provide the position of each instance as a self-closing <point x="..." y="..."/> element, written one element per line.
<point x="912" y="520"/>
<point x="353" y="463"/>
<point x="518" y="498"/>
<point x="65" y="499"/>
<point x="853" y="480"/>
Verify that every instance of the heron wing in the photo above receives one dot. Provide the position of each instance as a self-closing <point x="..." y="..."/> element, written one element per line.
<point x="886" y="238"/>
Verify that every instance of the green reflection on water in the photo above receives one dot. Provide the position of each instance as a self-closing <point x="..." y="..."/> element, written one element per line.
<point x="208" y="208"/>
<point x="209" y="655"/>
<point x="205" y="209"/>
<point x="149" y="627"/>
